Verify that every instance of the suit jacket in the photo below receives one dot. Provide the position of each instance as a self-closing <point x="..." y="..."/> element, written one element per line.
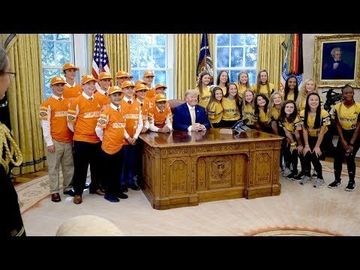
<point x="182" y="118"/>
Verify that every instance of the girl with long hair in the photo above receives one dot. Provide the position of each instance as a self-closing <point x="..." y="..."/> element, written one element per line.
<point x="232" y="107"/>
<point x="315" y="122"/>
<point x="214" y="108"/>
<point x="291" y="124"/>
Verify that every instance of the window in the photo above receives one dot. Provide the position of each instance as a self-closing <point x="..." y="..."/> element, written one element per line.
<point x="235" y="53"/>
<point x="57" y="49"/>
<point x="152" y="52"/>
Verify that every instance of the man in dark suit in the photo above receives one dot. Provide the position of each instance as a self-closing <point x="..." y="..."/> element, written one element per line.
<point x="336" y="68"/>
<point x="190" y="116"/>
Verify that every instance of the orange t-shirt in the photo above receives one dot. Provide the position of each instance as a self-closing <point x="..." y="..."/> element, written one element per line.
<point x="55" y="111"/>
<point x="103" y="99"/>
<point x="84" y="113"/>
<point x="158" y="117"/>
<point x="151" y="93"/>
<point x="131" y="114"/>
<point x="113" y="124"/>
<point x="72" y="91"/>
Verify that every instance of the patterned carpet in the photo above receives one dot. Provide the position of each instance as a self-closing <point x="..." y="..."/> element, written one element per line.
<point x="32" y="192"/>
<point x="297" y="211"/>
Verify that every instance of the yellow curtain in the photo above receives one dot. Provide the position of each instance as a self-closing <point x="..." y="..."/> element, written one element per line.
<point x="270" y="56"/>
<point x="187" y="55"/>
<point x="118" y="49"/>
<point x="25" y="97"/>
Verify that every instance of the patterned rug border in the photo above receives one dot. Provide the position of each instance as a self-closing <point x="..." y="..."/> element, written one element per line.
<point x="289" y="230"/>
<point x="30" y="193"/>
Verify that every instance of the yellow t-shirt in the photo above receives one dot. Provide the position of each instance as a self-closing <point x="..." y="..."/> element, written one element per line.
<point x="264" y="89"/>
<point x="204" y="98"/>
<point x="215" y="112"/>
<point x="263" y="117"/>
<point x="275" y="113"/>
<point x="224" y="90"/>
<point x="348" y="117"/>
<point x="249" y="114"/>
<point x="324" y="120"/>
<point x="302" y="102"/>
<point x="291" y="127"/>
<point x="291" y="96"/>
<point x="241" y="89"/>
<point x="231" y="111"/>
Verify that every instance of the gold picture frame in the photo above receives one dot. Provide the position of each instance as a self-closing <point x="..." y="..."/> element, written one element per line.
<point x="336" y="60"/>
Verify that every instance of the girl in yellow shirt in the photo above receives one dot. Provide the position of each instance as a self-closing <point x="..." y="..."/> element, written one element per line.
<point x="291" y="124"/>
<point x="223" y="81"/>
<point x="274" y="110"/>
<point x="243" y="83"/>
<point x="308" y="87"/>
<point x="215" y="109"/>
<point x="315" y="122"/>
<point x="232" y="107"/>
<point x="291" y="90"/>
<point x="347" y="121"/>
<point x="203" y="86"/>
<point x="263" y="86"/>
<point x="262" y="113"/>
<point x="248" y="109"/>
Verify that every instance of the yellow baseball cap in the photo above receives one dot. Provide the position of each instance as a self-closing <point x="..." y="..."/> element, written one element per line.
<point x="160" y="85"/>
<point x="126" y="84"/>
<point x="140" y="86"/>
<point x="122" y="74"/>
<point x="160" y="98"/>
<point x="114" y="89"/>
<point x="57" y="80"/>
<point x="69" y="66"/>
<point x="104" y="75"/>
<point x="87" y="78"/>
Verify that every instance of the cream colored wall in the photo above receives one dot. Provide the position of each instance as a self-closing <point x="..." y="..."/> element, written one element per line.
<point x="308" y="52"/>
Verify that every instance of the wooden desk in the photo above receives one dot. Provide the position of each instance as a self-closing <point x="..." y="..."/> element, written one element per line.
<point x="182" y="170"/>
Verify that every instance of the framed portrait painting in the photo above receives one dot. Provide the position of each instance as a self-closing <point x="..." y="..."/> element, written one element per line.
<point x="337" y="60"/>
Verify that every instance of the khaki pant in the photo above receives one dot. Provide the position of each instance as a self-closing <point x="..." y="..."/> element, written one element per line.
<point x="63" y="155"/>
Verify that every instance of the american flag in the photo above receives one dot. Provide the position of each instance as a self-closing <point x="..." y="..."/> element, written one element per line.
<point x="100" y="59"/>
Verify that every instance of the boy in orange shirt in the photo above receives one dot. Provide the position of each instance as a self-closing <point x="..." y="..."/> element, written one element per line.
<point x="71" y="88"/>
<point x="149" y="78"/>
<point x="111" y="131"/>
<point x="131" y="110"/>
<point x="160" y="115"/>
<point x="58" y="139"/>
<point x="102" y="91"/>
<point x="122" y="76"/>
<point x="83" y="114"/>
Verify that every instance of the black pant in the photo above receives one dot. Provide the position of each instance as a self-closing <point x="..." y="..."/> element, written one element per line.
<point x="350" y="159"/>
<point x="290" y="157"/>
<point x="312" y="158"/>
<point x="129" y="166"/>
<point x="11" y="223"/>
<point x="139" y="162"/>
<point x="85" y="154"/>
<point x="112" y="171"/>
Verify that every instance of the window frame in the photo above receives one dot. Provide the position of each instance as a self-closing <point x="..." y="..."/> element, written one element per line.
<point x="229" y="69"/>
